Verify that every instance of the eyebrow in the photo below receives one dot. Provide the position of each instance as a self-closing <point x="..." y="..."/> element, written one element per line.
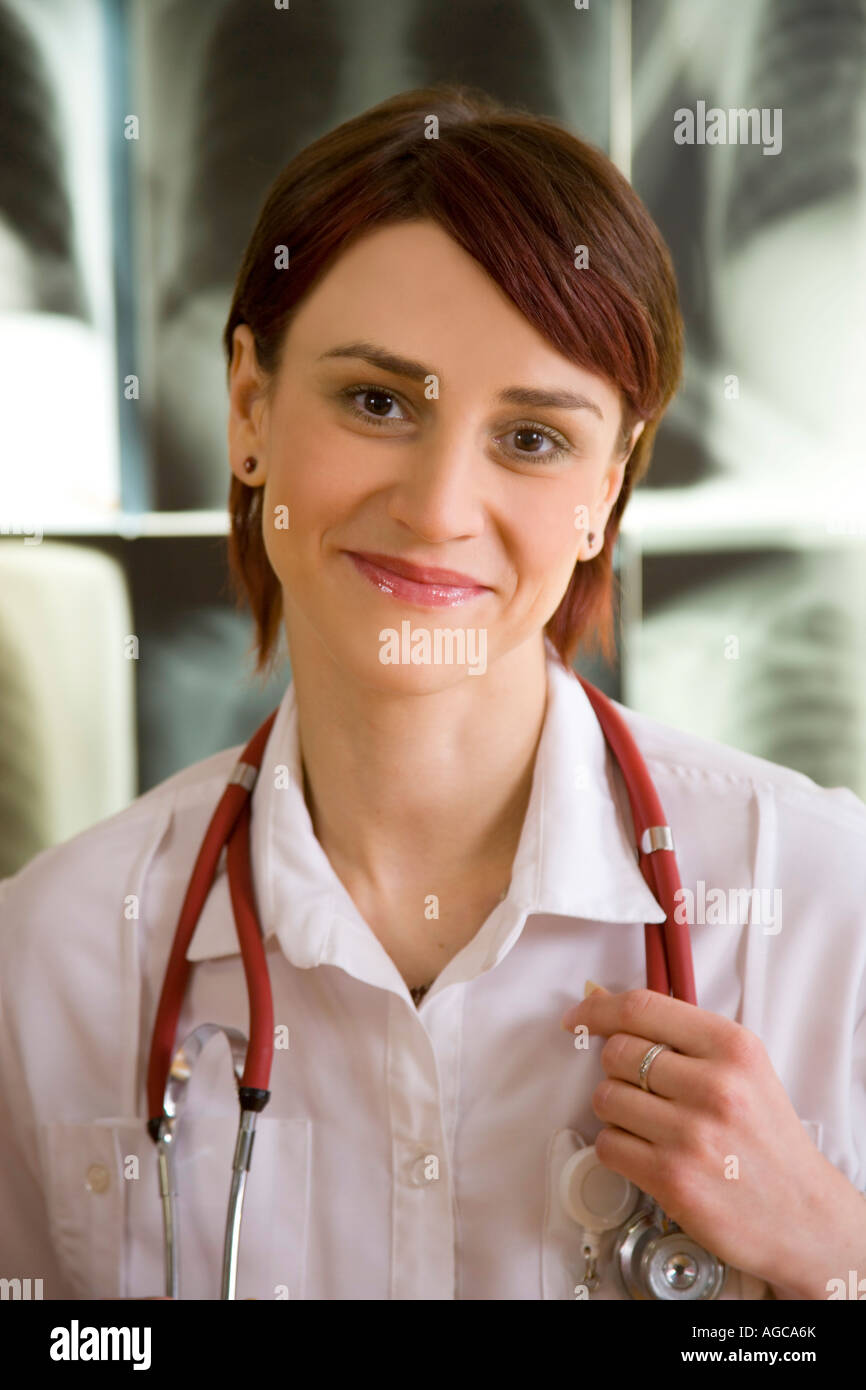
<point x="417" y="371"/>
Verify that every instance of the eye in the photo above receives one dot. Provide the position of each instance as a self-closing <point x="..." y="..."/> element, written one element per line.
<point x="531" y="436"/>
<point x="375" y="398"/>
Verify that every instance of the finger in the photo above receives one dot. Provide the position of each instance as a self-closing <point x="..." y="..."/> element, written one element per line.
<point x="630" y="1156"/>
<point x="638" y="1112"/>
<point x="671" y="1074"/>
<point x="659" y="1017"/>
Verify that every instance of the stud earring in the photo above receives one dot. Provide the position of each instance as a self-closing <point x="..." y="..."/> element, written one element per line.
<point x="250" y="464"/>
<point x="590" y="537"/>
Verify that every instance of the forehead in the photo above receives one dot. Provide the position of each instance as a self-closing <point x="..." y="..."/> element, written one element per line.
<point x="411" y="288"/>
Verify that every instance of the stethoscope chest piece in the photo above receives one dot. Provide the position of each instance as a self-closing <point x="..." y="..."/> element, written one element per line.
<point x="656" y="1260"/>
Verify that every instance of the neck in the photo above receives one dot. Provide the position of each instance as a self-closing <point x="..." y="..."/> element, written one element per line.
<point x="399" y="786"/>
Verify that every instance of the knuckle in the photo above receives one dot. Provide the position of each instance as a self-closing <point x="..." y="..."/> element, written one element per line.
<point x="725" y="1099"/>
<point x="743" y="1047"/>
<point x="635" y="1004"/>
<point x="613" y="1050"/>
<point x="600" y="1096"/>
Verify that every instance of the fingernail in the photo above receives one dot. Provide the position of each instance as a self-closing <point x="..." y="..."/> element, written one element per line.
<point x="588" y="989"/>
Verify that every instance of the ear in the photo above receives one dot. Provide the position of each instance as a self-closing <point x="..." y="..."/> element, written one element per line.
<point x="636" y="434"/>
<point x="613" y="478"/>
<point x="247" y="408"/>
<point x="610" y="489"/>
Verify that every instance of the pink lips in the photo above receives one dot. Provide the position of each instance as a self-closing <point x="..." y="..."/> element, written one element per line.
<point x="429" y="588"/>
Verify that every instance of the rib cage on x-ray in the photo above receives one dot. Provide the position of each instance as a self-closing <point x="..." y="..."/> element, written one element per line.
<point x="258" y="103"/>
<point x="34" y="202"/>
<point x="61" y="222"/>
<point x="809" y="61"/>
<point x="795" y="694"/>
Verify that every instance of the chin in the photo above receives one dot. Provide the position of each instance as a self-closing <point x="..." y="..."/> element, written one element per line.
<point x="361" y="661"/>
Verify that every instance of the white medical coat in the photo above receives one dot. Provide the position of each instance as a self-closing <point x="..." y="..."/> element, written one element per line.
<point x="404" y="1154"/>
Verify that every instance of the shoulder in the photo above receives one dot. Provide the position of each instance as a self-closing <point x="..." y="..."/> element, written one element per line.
<point x="735" y="815"/>
<point x="96" y="867"/>
<point x="700" y="768"/>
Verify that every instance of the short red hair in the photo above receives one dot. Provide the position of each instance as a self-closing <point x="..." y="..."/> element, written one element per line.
<point x="519" y="193"/>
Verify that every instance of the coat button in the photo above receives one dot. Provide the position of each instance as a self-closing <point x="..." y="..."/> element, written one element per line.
<point x="98" y="1178"/>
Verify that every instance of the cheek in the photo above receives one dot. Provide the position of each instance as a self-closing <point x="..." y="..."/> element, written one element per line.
<point x="546" y="539"/>
<point x="315" y="478"/>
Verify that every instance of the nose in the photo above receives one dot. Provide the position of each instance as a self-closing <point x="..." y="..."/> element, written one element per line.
<point x="438" y="493"/>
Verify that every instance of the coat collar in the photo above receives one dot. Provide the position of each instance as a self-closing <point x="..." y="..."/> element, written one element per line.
<point x="575" y="857"/>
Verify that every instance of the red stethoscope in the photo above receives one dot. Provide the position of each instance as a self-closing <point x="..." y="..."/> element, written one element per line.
<point x="668" y="960"/>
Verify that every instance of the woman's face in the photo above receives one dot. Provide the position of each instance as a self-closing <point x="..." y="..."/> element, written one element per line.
<point x="447" y="461"/>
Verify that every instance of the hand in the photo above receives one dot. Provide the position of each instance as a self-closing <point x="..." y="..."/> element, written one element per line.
<point x="716" y="1141"/>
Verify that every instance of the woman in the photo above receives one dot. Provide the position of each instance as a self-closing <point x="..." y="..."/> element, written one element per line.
<point x="452" y="338"/>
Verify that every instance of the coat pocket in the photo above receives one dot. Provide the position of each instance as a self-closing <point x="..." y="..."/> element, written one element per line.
<point x="562" y="1261"/>
<point x="106" y="1215"/>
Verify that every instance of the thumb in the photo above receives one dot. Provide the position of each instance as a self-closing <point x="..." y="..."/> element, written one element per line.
<point x="568" y="1021"/>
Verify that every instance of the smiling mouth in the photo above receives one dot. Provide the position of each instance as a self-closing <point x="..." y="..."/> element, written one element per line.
<point x="433" y="591"/>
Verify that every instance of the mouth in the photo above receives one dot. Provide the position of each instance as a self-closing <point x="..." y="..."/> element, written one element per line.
<point x="417" y="584"/>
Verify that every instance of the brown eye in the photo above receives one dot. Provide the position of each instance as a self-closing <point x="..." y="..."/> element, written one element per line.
<point x="376" y="404"/>
<point x="523" y="435"/>
<point x="529" y="438"/>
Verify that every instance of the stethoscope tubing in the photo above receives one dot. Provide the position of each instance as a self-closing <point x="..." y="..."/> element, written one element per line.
<point x="227" y="819"/>
<point x="668" y="944"/>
